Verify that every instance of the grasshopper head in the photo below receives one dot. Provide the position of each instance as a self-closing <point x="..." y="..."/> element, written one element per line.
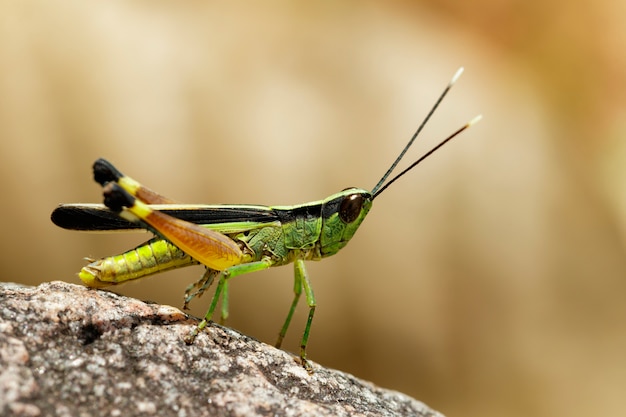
<point x="342" y="214"/>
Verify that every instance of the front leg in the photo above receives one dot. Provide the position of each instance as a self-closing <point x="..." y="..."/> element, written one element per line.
<point x="300" y="282"/>
<point x="303" y="277"/>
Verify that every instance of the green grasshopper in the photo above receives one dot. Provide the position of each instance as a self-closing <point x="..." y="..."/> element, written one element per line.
<point x="229" y="240"/>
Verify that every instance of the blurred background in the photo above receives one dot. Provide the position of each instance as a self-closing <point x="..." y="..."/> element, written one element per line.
<point x="488" y="282"/>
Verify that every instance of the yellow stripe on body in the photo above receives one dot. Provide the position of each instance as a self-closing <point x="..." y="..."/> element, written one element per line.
<point x="206" y="246"/>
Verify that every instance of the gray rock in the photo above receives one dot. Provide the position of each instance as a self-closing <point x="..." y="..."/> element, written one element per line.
<point x="67" y="350"/>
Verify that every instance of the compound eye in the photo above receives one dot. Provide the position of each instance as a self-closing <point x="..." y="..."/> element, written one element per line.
<point x="350" y="208"/>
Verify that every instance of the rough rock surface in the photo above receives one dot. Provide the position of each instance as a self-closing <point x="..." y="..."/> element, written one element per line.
<point x="67" y="350"/>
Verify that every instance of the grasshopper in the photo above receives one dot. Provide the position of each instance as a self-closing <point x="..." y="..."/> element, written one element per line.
<point x="229" y="240"/>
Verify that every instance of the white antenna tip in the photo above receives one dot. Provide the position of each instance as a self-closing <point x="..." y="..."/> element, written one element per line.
<point x="456" y="76"/>
<point x="474" y="120"/>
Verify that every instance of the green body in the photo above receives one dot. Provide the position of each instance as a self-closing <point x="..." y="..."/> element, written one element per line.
<point x="310" y="231"/>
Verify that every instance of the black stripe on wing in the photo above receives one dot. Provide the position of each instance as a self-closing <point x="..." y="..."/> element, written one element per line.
<point x="96" y="217"/>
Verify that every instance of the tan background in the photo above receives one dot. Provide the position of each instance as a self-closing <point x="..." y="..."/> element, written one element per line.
<point x="491" y="281"/>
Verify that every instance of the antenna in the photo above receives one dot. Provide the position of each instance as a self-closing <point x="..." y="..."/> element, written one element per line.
<point x="427" y="154"/>
<point x="376" y="190"/>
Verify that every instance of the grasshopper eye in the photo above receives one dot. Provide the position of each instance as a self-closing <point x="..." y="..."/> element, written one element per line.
<point x="350" y="208"/>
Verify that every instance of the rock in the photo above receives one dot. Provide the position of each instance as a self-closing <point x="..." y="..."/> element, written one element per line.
<point x="68" y="350"/>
